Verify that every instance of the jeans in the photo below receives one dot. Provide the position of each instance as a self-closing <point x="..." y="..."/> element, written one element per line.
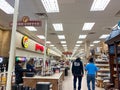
<point x="91" y="77"/>
<point x="79" y="82"/>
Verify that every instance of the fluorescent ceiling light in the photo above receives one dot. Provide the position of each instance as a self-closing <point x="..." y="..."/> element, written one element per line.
<point x="75" y="48"/>
<point x="91" y="45"/>
<point x="82" y="49"/>
<point x="50" y="6"/>
<point x="31" y="28"/>
<point x="6" y="7"/>
<point x="61" y="36"/>
<point x="58" y="27"/>
<point x="48" y="42"/>
<point x="88" y="26"/>
<point x="52" y="45"/>
<point x="82" y="36"/>
<point x="104" y="36"/>
<point x="64" y="45"/>
<point x="41" y="36"/>
<point x="77" y="45"/>
<point x="63" y="41"/>
<point x="99" y="5"/>
<point x="79" y="41"/>
<point x="96" y="41"/>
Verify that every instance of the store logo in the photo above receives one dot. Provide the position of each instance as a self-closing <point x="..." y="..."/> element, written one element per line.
<point x="25" y="42"/>
<point x="39" y="47"/>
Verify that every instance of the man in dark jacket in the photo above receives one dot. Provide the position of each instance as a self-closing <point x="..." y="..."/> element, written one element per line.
<point x="78" y="72"/>
<point x="19" y="72"/>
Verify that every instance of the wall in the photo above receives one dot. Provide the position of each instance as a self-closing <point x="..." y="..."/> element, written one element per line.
<point x="5" y="37"/>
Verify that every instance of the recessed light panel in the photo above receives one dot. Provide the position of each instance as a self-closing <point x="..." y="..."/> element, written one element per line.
<point x="61" y="36"/>
<point x="104" y="36"/>
<point x="58" y="27"/>
<point x="63" y="41"/>
<point x="99" y="5"/>
<point x="41" y="36"/>
<point x="88" y="26"/>
<point x="96" y="41"/>
<point x="82" y="36"/>
<point x="51" y="6"/>
<point x="6" y="7"/>
<point x="31" y="28"/>
<point x="79" y="41"/>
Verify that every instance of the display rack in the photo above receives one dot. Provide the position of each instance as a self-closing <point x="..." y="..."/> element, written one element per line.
<point x="114" y="59"/>
<point x="103" y="73"/>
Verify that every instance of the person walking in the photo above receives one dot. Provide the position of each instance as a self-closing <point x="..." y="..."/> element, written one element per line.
<point x="91" y="69"/>
<point x="78" y="72"/>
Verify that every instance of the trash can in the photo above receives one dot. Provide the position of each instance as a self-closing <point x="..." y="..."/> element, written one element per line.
<point x="43" y="86"/>
<point x="66" y="72"/>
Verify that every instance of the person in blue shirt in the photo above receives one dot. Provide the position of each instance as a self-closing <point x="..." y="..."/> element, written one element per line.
<point x="78" y="72"/>
<point x="30" y="65"/>
<point x="91" y="69"/>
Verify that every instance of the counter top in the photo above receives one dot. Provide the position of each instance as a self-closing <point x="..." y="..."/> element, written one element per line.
<point x="54" y="76"/>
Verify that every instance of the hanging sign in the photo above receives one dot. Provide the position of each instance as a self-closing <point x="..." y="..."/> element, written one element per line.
<point x="27" y="22"/>
<point x="67" y="53"/>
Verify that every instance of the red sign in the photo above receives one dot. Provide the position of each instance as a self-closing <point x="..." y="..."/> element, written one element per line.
<point x="39" y="47"/>
<point x="27" y="22"/>
<point x="67" y="53"/>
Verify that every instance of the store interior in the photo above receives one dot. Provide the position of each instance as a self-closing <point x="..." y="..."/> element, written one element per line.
<point x="53" y="33"/>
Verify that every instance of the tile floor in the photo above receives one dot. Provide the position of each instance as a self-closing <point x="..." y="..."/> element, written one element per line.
<point x="68" y="83"/>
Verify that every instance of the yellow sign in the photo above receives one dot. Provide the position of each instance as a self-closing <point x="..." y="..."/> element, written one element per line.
<point x="25" y="42"/>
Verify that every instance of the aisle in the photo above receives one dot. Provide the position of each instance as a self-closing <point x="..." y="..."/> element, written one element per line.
<point x="68" y="83"/>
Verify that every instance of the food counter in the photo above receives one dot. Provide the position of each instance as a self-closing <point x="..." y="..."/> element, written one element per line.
<point x="55" y="79"/>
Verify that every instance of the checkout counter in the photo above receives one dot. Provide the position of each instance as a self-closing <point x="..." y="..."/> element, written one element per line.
<point x="55" y="79"/>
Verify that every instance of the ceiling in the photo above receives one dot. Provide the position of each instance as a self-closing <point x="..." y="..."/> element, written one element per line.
<point x="73" y="14"/>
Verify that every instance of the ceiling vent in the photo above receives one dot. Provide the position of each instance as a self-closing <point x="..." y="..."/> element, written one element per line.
<point x="91" y="33"/>
<point x="117" y="14"/>
<point x="41" y="14"/>
<point x="108" y="28"/>
<point x="52" y="33"/>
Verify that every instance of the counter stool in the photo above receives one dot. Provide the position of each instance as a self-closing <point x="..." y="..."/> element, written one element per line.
<point x="43" y="86"/>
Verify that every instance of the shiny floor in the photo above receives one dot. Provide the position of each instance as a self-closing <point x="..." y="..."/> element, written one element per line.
<point x="68" y="83"/>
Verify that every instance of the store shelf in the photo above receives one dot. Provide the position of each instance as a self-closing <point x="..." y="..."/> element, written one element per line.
<point x="103" y="73"/>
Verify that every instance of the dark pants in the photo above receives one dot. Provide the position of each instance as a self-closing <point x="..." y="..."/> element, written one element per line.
<point x="91" y="77"/>
<point x="79" y="82"/>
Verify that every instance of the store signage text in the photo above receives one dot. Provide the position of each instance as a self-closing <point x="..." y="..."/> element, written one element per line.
<point x="67" y="53"/>
<point x="39" y="47"/>
<point x="27" y="22"/>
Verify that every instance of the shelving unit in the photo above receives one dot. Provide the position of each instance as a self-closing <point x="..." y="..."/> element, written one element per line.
<point x="103" y="73"/>
<point x="114" y="59"/>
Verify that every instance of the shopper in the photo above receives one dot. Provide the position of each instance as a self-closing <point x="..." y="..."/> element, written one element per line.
<point x="78" y="72"/>
<point x="30" y="65"/>
<point x="19" y="72"/>
<point x="91" y="69"/>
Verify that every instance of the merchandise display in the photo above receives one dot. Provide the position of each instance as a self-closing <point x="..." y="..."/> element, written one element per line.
<point x="114" y="60"/>
<point x="104" y="73"/>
